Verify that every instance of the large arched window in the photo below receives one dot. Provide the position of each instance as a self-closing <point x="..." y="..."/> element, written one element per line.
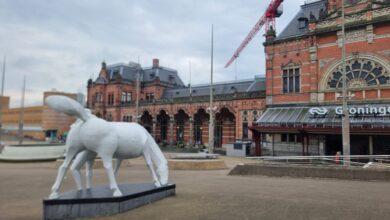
<point x="360" y="73"/>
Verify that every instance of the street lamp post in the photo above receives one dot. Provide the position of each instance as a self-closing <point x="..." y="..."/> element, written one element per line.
<point x="1" y="96"/>
<point x="21" y="113"/>
<point x="137" y="97"/>
<point x="211" y="108"/>
<point x="345" y="116"/>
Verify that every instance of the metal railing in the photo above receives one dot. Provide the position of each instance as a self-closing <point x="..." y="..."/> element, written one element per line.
<point x="365" y="161"/>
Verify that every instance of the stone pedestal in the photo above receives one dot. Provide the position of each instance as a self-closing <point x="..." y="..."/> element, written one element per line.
<point x="98" y="201"/>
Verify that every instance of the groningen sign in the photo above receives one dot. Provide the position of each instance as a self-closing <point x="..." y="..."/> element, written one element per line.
<point x="366" y="110"/>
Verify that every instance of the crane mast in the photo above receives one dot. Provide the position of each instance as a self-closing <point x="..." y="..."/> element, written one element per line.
<point x="274" y="10"/>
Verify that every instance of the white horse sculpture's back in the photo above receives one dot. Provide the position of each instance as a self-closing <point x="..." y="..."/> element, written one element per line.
<point x="108" y="140"/>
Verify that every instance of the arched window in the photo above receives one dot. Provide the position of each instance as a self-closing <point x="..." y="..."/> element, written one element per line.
<point x="360" y="73"/>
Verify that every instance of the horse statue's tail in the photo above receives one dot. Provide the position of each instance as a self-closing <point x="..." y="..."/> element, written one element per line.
<point x="67" y="106"/>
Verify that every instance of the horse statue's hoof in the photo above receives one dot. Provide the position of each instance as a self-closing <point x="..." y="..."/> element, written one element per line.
<point x="53" y="195"/>
<point x="157" y="183"/>
<point x="117" y="193"/>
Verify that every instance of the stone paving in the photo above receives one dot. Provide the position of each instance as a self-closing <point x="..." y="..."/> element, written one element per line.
<point x="208" y="195"/>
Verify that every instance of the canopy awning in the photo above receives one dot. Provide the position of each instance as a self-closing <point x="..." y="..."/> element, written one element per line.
<point x="324" y="119"/>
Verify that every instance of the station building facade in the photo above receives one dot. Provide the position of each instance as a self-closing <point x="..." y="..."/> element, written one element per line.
<point x="304" y="81"/>
<point x="171" y="111"/>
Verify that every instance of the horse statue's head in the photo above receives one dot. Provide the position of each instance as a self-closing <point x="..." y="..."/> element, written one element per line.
<point x="162" y="173"/>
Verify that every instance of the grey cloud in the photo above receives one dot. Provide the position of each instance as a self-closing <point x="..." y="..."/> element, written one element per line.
<point x="60" y="44"/>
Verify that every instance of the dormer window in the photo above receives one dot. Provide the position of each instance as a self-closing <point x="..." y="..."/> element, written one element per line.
<point x="114" y="73"/>
<point x="302" y="22"/>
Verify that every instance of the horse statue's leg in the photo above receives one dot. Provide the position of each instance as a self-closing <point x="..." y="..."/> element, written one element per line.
<point x="149" y="164"/>
<point x="70" y="154"/>
<point x="107" y="162"/>
<point x="88" y="172"/>
<point x="83" y="157"/>
<point x="106" y="150"/>
<point x="117" y="165"/>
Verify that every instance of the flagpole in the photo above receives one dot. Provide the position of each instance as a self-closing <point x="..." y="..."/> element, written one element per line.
<point x="211" y="112"/>
<point x="21" y="113"/>
<point x="3" y="78"/>
<point x="1" y="97"/>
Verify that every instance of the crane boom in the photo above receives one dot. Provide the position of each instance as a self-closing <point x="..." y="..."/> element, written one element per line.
<point x="269" y="16"/>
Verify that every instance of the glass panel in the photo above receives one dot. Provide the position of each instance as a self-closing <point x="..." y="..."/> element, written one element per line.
<point x="377" y="71"/>
<point x="284" y="137"/>
<point x="369" y="77"/>
<point x="382" y="80"/>
<point x="129" y="97"/>
<point x="356" y="65"/>
<point x="291" y="138"/>
<point x="356" y="74"/>
<point x="367" y="66"/>
<point x="244" y="130"/>
<point x="123" y="97"/>
<point x="285" y="82"/>
<point x="297" y="84"/>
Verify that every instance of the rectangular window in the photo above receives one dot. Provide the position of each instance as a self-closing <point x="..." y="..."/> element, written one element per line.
<point x="123" y="97"/>
<point x="285" y="81"/>
<point x="149" y="96"/>
<point x="99" y="97"/>
<point x="128" y="97"/>
<point x="110" y="99"/>
<point x="297" y="80"/>
<point x="291" y="138"/>
<point x="126" y="118"/>
<point x="244" y="130"/>
<point x="284" y="137"/>
<point x="291" y="80"/>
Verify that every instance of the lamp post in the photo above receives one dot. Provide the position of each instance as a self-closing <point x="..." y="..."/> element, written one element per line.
<point x="1" y="96"/>
<point x="211" y="109"/>
<point x="21" y="113"/>
<point x="345" y="116"/>
<point x="137" y="98"/>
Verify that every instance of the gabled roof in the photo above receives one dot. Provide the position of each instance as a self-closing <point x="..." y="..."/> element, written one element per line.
<point x="128" y="72"/>
<point x="293" y="29"/>
<point x="221" y="88"/>
<point x="163" y="73"/>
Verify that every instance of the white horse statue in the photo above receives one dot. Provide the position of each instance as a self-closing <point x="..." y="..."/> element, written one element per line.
<point x="94" y="136"/>
<point x="84" y="157"/>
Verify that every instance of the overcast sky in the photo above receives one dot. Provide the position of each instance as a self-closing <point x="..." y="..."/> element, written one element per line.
<point x="60" y="44"/>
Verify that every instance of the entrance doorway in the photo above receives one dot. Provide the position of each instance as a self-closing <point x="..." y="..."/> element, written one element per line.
<point x="333" y="144"/>
<point x="359" y="144"/>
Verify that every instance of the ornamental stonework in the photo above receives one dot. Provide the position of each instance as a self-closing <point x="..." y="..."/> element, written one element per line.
<point x="361" y="73"/>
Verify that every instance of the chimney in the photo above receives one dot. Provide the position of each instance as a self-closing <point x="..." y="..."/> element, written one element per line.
<point x="155" y="63"/>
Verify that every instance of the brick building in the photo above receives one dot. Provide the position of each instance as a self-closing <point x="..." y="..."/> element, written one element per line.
<point x="39" y="122"/>
<point x="172" y="111"/>
<point x="304" y="80"/>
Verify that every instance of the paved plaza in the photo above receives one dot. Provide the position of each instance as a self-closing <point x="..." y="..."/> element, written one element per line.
<point x="208" y="195"/>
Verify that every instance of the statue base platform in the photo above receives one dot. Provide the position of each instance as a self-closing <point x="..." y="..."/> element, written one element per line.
<point x="99" y="201"/>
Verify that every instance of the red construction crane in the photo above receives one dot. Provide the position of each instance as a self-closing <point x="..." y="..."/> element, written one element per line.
<point x="274" y="10"/>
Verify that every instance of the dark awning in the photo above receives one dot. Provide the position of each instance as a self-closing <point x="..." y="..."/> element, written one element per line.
<point x="324" y="119"/>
